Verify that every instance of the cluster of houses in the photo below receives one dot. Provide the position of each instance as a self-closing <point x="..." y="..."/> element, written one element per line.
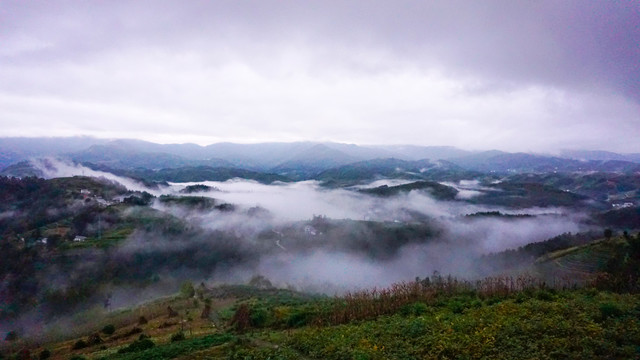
<point x="86" y="194"/>
<point x="622" y="205"/>
<point x="44" y="240"/>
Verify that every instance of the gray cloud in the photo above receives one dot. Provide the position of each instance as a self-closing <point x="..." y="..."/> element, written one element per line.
<point x="494" y="74"/>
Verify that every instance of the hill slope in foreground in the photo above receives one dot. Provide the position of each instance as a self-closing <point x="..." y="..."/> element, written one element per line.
<point x="432" y="318"/>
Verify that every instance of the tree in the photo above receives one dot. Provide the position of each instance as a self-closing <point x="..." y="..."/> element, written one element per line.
<point x="207" y="309"/>
<point x="241" y="318"/>
<point x="260" y="282"/>
<point x="45" y="354"/>
<point x="608" y="233"/>
<point x="187" y="290"/>
<point x="109" y="329"/>
<point x="11" y="336"/>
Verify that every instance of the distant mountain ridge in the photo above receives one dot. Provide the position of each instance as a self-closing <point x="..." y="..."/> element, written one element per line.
<point x="16" y="149"/>
<point x="313" y="161"/>
<point x="599" y="155"/>
<point x="391" y="168"/>
<point x="119" y="156"/>
<point x="299" y="160"/>
<point x="494" y="161"/>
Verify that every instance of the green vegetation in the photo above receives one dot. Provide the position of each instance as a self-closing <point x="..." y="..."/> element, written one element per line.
<point x="172" y="350"/>
<point x="524" y="256"/>
<point x="202" y="173"/>
<point x="187" y="290"/>
<point x="601" y="186"/>
<point x="80" y="344"/>
<point x="432" y="318"/>
<point x="567" y="325"/>
<point x="380" y="240"/>
<point x="583" y="302"/>
<point x="522" y="195"/>
<point x="44" y="354"/>
<point x="370" y="170"/>
<point x="625" y="218"/>
<point x="437" y="318"/>
<point x="190" y="189"/>
<point x="109" y="329"/>
<point x="109" y="238"/>
<point x="497" y="214"/>
<point x="364" y="171"/>
<point x="143" y="343"/>
<point x="195" y="202"/>
<point x="438" y="191"/>
<point x="179" y="336"/>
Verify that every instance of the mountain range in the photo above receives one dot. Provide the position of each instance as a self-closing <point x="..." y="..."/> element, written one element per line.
<point x="298" y="160"/>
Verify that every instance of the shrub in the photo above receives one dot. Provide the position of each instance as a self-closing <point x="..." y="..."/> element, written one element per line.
<point x="179" y="336"/>
<point x="544" y="295"/>
<point x="94" y="339"/>
<point x="259" y="317"/>
<point x="299" y="318"/>
<point x="80" y="344"/>
<point x="109" y="329"/>
<point x="610" y="310"/>
<point x="23" y="354"/>
<point x="11" y="336"/>
<point x="416" y="309"/>
<point x="135" y="330"/>
<point x="142" y="320"/>
<point x="137" y="345"/>
<point x="493" y="300"/>
<point x="187" y="290"/>
<point x="417" y="327"/>
<point x="44" y="354"/>
<point x="456" y="306"/>
<point x="167" y="324"/>
<point x="241" y="318"/>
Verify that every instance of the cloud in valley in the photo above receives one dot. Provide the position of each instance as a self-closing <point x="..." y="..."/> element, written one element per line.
<point x="322" y="268"/>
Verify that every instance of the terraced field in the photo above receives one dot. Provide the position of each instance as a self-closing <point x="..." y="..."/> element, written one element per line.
<point x="579" y="263"/>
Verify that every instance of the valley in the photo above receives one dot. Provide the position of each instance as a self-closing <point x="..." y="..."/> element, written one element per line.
<point x="87" y="245"/>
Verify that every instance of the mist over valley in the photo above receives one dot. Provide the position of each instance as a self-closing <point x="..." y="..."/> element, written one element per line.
<point x="129" y="235"/>
<point x="326" y="180"/>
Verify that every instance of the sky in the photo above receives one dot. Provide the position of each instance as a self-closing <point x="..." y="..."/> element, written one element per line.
<point x="509" y="75"/>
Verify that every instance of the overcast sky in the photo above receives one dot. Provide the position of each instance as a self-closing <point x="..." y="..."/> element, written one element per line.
<point x="510" y="75"/>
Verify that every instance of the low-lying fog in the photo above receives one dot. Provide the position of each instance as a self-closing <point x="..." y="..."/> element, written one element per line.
<point x="461" y="237"/>
<point x="305" y="236"/>
<point x="451" y="249"/>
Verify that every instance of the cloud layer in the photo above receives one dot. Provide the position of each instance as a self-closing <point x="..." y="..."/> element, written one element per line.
<point x="538" y="75"/>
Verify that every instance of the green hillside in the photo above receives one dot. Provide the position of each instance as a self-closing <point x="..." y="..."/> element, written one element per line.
<point x="579" y="261"/>
<point x="433" y="318"/>
<point x="521" y="195"/>
<point x="438" y="191"/>
<point x="436" y="317"/>
<point x="201" y="173"/>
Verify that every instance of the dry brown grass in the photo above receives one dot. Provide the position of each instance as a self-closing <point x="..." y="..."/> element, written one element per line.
<point x="369" y="304"/>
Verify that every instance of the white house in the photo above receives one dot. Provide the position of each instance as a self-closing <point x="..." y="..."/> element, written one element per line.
<point x="310" y="230"/>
